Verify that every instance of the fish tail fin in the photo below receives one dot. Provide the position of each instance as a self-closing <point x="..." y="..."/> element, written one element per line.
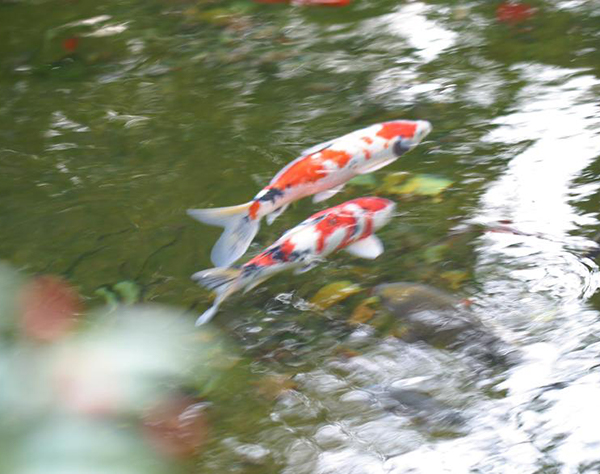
<point x="239" y="232"/>
<point x="223" y="281"/>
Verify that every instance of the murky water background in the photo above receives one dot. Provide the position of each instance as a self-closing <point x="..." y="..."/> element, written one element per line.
<point x="115" y="117"/>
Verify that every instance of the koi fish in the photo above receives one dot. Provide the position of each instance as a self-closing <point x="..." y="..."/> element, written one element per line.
<point x="348" y="226"/>
<point x="514" y="12"/>
<point x="322" y="170"/>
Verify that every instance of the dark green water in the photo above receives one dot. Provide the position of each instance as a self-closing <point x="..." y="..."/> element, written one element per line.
<point x="116" y="117"/>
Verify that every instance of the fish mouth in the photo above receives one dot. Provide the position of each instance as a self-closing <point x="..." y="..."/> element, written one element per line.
<point x="424" y="128"/>
<point x="382" y="217"/>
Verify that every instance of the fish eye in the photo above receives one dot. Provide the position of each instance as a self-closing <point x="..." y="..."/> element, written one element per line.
<point x="400" y="147"/>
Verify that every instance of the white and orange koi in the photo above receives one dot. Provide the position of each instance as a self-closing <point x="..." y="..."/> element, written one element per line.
<point x="322" y="170"/>
<point x="349" y="226"/>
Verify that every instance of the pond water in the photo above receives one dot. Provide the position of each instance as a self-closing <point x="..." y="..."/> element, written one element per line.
<point x="116" y="117"/>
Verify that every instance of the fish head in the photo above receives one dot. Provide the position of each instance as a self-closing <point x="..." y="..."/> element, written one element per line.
<point x="404" y="135"/>
<point x="383" y="215"/>
<point x="379" y="209"/>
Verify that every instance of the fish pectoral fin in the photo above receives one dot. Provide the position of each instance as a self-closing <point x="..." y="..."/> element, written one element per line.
<point x="307" y="265"/>
<point x="370" y="247"/>
<point x="370" y="167"/>
<point x="304" y="268"/>
<point x="275" y="214"/>
<point x="322" y="196"/>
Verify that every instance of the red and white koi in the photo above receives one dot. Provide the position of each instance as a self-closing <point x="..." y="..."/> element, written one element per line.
<point x="322" y="170"/>
<point x="349" y="226"/>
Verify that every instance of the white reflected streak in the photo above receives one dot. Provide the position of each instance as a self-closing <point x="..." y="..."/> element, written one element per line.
<point x="537" y="190"/>
<point x="90" y="21"/>
<point x="361" y="462"/>
<point x="483" y="90"/>
<point x="536" y="282"/>
<point x="534" y="192"/>
<point x="400" y="84"/>
<point x="109" y="30"/>
<point x="128" y="120"/>
<point x="410" y="22"/>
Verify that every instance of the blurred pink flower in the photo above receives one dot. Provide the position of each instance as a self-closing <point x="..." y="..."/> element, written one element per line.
<point x="177" y="426"/>
<point x="49" y="308"/>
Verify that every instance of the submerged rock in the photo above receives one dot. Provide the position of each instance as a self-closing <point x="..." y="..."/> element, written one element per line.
<point x="442" y="320"/>
<point x="423" y="409"/>
<point x="411" y="297"/>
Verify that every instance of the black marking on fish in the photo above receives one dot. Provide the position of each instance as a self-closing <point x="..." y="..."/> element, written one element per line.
<point x="299" y="255"/>
<point x="400" y="147"/>
<point x="248" y="270"/>
<point x="278" y="254"/>
<point x="271" y="195"/>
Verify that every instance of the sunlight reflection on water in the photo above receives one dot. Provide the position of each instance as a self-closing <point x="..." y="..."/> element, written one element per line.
<point x="534" y="194"/>
<point x="410" y="22"/>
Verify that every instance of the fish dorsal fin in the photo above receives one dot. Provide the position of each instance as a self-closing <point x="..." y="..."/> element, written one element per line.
<point x="369" y="247"/>
<point x="305" y="268"/>
<point x="308" y="264"/>
<point x="374" y="166"/>
<point x="322" y="196"/>
<point x="275" y="214"/>
<point x="316" y="148"/>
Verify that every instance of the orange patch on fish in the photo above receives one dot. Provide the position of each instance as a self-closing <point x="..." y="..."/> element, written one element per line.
<point x="287" y="248"/>
<point x="367" y="153"/>
<point x="330" y="224"/>
<point x="264" y="259"/>
<point x="373" y="204"/>
<point x="391" y="130"/>
<point x="367" y="140"/>
<point x="254" y="209"/>
<point x="341" y="158"/>
<point x="304" y="171"/>
<point x="311" y="169"/>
